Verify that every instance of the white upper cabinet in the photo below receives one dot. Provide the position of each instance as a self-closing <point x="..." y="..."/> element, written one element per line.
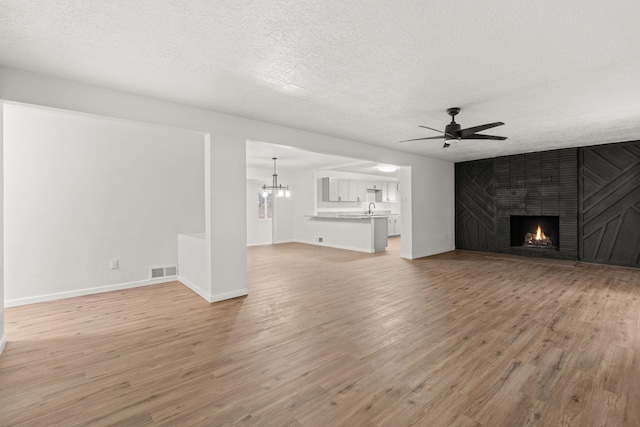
<point x="353" y="190"/>
<point x="390" y="192"/>
<point x="329" y="189"/>
<point x="343" y="190"/>
<point x="374" y="185"/>
<point x="357" y="191"/>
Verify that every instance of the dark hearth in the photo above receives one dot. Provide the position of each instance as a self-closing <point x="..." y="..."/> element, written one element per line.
<point x="535" y="231"/>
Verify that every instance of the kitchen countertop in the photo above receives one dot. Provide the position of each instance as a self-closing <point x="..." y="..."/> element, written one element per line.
<point x="347" y="216"/>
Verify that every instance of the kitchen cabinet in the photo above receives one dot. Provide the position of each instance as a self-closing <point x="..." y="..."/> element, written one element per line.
<point x="329" y="188"/>
<point x="357" y="191"/>
<point x="343" y="190"/>
<point x="393" y="225"/>
<point x="353" y="190"/>
<point x="374" y="185"/>
<point x="389" y="191"/>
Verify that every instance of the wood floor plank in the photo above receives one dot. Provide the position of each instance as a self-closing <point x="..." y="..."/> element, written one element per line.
<point x="340" y="338"/>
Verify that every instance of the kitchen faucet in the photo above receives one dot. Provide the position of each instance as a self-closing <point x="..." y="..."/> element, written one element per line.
<point x="370" y="211"/>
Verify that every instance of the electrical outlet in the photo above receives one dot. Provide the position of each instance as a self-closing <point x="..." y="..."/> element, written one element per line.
<point x="320" y="239"/>
<point x="114" y="264"/>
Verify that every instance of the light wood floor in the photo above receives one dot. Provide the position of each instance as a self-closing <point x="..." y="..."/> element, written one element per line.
<point x="329" y="337"/>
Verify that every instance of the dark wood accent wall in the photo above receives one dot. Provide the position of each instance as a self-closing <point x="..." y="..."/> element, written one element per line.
<point x="610" y="204"/>
<point x="475" y="207"/>
<point x="595" y="192"/>
<point x="543" y="183"/>
<point x="568" y="203"/>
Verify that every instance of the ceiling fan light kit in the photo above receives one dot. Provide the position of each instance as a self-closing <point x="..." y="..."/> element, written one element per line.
<point x="453" y="132"/>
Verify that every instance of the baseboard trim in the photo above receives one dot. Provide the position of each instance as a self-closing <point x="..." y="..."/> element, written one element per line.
<point x="87" y="291"/>
<point x="216" y="297"/>
<point x="331" y="245"/>
<point x="425" y="254"/>
<point x="271" y="243"/>
<point x="229" y="295"/>
<point x="193" y="287"/>
<point x="3" y="342"/>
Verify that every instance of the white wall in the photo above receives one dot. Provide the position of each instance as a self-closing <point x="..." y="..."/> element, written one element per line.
<point x="36" y="89"/>
<point x="304" y="204"/>
<point x="259" y="231"/>
<point x="193" y="257"/>
<point x="283" y="227"/>
<point x="3" y="338"/>
<point x="81" y="190"/>
<point x="280" y="228"/>
<point x="226" y="215"/>
<point x="432" y="216"/>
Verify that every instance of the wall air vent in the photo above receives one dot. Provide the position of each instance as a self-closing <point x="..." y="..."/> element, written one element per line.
<point x="157" y="272"/>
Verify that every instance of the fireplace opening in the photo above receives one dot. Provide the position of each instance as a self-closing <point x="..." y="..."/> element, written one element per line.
<point x="535" y="231"/>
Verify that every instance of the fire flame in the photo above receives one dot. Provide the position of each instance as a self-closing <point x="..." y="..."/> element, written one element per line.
<point x="539" y="234"/>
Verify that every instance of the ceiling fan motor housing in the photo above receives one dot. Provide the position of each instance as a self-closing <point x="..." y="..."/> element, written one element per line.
<point x="452" y="129"/>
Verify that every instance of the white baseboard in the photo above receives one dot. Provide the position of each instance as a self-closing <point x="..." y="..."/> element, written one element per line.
<point x="229" y="295"/>
<point x="213" y="298"/>
<point x="87" y="291"/>
<point x="425" y="254"/>
<point x="193" y="287"/>
<point x="331" y="245"/>
<point x="3" y="342"/>
<point x="271" y="243"/>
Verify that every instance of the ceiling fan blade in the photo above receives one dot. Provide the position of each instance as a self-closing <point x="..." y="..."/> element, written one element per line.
<point x="426" y="127"/>
<point x="481" y="136"/>
<point x="447" y="134"/>
<point x="422" y="139"/>
<point x="469" y="131"/>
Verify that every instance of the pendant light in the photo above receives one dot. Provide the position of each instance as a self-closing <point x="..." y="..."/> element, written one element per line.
<point x="274" y="188"/>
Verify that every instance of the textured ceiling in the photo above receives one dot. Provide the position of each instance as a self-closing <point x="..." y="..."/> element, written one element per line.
<point x="558" y="73"/>
<point x="260" y="154"/>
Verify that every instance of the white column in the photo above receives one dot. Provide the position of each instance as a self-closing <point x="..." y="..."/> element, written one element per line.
<point x="226" y="215"/>
<point x="3" y="338"/>
<point x="406" y="213"/>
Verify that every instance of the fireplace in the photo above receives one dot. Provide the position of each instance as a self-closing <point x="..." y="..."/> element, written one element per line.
<point x="536" y="232"/>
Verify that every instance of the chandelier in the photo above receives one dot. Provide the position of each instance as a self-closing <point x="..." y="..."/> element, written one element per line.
<point x="274" y="188"/>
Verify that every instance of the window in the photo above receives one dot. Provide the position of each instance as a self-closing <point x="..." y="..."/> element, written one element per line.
<point x="265" y="205"/>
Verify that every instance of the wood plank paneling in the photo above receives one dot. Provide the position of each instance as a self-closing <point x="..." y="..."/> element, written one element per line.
<point x="568" y="202"/>
<point x="610" y="204"/>
<point x="525" y="184"/>
<point x="518" y="181"/>
<point x="503" y="201"/>
<point x="549" y="163"/>
<point x="475" y="206"/>
<point x="533" y="184"/>
<point x="595" y="192"/>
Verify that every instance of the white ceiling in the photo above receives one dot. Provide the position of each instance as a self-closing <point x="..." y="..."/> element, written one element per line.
<point x="260" y="154"/>
<point x="558" y="73"/>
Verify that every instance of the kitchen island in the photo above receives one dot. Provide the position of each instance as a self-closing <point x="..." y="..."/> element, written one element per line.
<point x="356" y="232"/>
